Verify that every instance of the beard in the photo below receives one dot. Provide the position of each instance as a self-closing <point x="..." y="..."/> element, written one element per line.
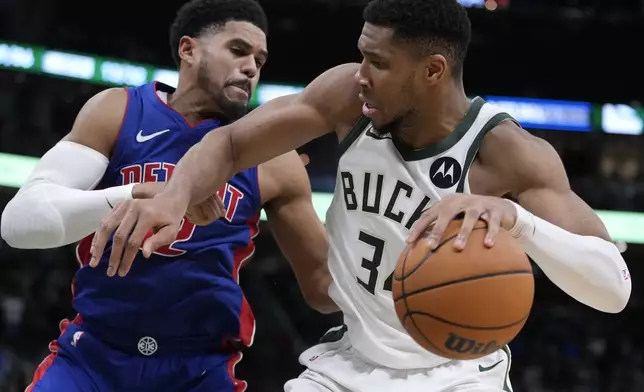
<point x="232" y="110"/>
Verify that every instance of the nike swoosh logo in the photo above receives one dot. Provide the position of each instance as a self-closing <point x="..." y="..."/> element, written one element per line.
<point x="141" y="138"/>
<point x="488" y="368"/>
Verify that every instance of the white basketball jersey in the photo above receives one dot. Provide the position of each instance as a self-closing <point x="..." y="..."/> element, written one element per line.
<point x="381" y="189"/>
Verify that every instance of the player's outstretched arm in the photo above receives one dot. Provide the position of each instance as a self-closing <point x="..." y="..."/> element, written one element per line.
<point x="561" y="233"/>
<point x="286" y="196"/>
<point x="328" y="104"/>
<point x="57" y="205"/>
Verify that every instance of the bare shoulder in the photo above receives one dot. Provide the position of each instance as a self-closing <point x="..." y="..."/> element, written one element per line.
<point x="335" y="94"/>
<point x="283" y="177"/>
<point x="99" y="121"/>
<point x="338" y="81"/>
<point x="521" y="159"/>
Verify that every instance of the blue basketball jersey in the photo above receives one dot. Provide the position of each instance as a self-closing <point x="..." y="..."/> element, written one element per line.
<point x="187" y="293"/>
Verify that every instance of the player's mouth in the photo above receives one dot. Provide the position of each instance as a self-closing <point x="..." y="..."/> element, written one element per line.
<point x="367" y="108"/>
<point x="241" y="89"/>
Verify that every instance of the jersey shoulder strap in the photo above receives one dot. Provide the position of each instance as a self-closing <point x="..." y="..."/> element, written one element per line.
<point x="353" y="135"/>
<point x="492" y="116"/>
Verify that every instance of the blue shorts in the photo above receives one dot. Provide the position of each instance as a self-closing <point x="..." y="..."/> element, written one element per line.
<point x="81" y="362"/>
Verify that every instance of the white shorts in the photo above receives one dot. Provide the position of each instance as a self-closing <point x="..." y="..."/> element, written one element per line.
<point x="338" y="367"/>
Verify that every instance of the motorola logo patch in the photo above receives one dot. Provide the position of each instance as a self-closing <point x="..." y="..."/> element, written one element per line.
<point x="445" y="172"/>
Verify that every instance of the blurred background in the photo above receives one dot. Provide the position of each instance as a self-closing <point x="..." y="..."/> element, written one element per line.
<point x="569" y="70"/>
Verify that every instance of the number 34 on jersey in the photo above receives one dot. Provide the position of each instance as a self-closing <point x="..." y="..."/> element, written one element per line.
<point x="371" y="202"/>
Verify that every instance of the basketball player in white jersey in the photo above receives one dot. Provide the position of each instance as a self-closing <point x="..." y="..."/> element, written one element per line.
<point x="416" y="152"/>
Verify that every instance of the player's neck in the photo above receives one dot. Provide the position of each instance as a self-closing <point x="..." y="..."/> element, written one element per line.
<point x="192" y="104"/>
<point x="437" y="119"/>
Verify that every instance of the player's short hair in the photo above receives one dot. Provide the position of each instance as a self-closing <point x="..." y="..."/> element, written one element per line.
<point x="436" y="26"/>
<point x="197" y="17"/>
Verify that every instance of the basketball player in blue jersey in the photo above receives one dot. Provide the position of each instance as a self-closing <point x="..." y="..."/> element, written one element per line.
<point x="177" y="322"/>
<point x="416" y="152"/>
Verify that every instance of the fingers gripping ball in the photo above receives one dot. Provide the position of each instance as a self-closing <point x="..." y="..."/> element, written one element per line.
<point x="463" y="305"/>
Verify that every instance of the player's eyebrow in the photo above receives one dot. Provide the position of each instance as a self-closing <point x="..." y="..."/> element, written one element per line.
<point x="248" y="46"/>
<point x="369" y="53"/>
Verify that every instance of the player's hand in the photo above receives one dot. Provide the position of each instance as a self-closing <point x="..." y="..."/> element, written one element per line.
<point x="147" y="190"/>
<point x="109" y="223"/>
<point x="206" y="212"/>
<point x="497" y="212"/>
<point x="130" y="223"/>
<point x="213" y="208"/>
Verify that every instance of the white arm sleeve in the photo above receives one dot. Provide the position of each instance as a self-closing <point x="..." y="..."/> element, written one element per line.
<point x="589" y="269"/>
<point x="57" y="204"/>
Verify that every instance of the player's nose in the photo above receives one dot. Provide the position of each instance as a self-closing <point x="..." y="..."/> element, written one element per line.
<point x="249" y="67"/>
<point x="360" y="77"/>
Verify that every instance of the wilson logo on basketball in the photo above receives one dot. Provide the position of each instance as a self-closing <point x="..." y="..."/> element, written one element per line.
<point x="463" y="345"/>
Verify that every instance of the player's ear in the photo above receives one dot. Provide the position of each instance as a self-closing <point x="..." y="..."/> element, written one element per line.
<point x="188" y="49"/>
<point x="435" y="68"/>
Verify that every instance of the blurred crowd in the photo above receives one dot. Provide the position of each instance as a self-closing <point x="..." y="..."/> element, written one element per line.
<point x="565" y="347"/>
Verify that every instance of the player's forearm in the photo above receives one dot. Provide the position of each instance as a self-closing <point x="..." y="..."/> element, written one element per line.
<point x="323" y="304"/>
<point x="203" y="170"/>
<point x="316" y="291"/>
<point x="589" y="269"/>
<point x="55" y="206"/>
<point x="273" y="129"/>
<point x="48" y="215"/>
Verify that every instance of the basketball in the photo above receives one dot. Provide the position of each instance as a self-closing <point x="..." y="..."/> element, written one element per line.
<point x="463" y="304"/>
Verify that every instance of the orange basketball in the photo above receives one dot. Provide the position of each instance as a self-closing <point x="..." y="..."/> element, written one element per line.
<point x="467" y="304"/>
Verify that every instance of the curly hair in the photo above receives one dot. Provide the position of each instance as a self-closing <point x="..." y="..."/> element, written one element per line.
<point x="436" y="26"/>
<point x="199" y="16"/>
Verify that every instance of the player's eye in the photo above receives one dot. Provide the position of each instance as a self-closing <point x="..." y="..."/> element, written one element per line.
<point x="238" y="51"/>
<point x="377" y="64"/>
